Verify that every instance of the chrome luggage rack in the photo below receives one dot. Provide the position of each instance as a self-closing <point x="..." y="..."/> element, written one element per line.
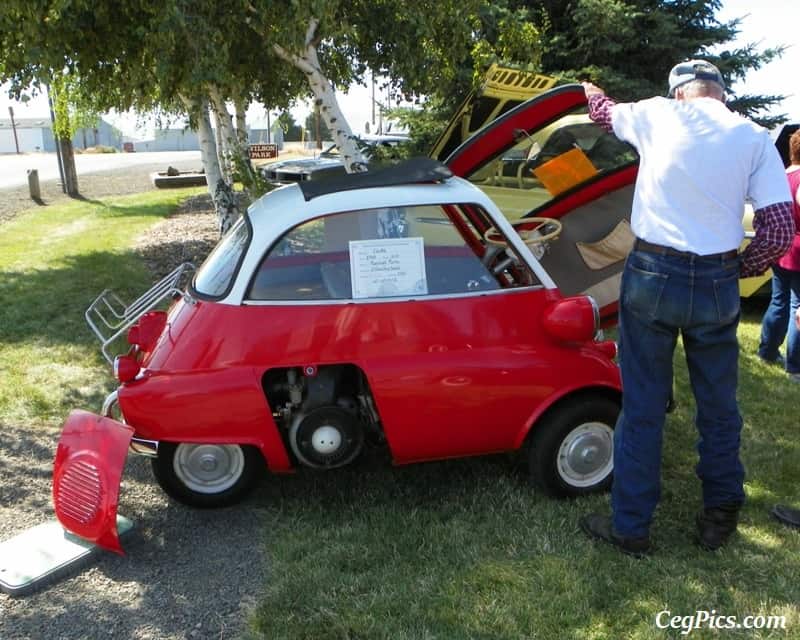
<point x="109" y="317"/>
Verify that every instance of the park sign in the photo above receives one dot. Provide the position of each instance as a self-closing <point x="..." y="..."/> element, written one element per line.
<point x="263" y="151"/>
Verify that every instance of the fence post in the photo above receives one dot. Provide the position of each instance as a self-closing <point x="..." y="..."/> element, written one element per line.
<point x="33" y="184"/>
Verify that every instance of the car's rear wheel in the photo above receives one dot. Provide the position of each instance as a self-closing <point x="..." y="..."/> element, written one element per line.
<point x="207" y="475"/>
<point x="571" y="449"/>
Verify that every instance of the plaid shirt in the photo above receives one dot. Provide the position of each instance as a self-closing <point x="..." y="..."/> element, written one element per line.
<point x="773" y="225"/>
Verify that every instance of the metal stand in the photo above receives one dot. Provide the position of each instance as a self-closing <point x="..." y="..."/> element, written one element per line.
<point x="43" y="554"/>
<point x="109" y="317"/>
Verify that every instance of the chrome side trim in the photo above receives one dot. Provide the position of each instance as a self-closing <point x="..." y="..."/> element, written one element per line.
<point x="142" y="447"/>
<point x="109" y="402"/>
<point x="416" y="298"/>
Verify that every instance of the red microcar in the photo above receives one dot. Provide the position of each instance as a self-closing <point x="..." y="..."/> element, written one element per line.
<point x="439" y="309"/>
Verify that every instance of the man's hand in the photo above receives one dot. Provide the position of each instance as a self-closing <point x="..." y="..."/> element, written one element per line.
<point x="592" y="89"/>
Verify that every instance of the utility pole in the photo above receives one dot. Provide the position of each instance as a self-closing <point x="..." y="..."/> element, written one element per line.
<point x="373" y="100"/>
<point x="316" y="127"/>
<point x="13" y="126"/>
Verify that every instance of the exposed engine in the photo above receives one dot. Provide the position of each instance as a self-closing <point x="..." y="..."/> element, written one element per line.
<point x="324" y="413"/>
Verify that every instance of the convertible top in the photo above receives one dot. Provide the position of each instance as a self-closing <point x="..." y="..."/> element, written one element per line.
<point x="413" y="171"/>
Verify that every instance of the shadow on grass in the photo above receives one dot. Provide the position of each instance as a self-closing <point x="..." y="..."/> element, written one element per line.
<point x="465" y="549"/>
<point x="48" y="305"/>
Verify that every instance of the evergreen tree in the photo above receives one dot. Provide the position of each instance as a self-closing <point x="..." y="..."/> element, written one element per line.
<point x="629" y="46"/>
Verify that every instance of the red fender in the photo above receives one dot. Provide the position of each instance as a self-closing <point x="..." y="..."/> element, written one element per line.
<point x="86" y="476"/>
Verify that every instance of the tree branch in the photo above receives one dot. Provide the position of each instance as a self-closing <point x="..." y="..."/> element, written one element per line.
<point x="311" y="31"/>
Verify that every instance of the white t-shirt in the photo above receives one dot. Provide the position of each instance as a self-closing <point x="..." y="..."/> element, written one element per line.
<point x="699" y="163"/>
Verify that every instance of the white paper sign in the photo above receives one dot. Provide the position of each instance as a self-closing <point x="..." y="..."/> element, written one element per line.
<point x="388" y="267"/>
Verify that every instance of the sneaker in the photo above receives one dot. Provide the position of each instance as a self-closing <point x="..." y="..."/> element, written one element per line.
<point x="599" y="527"/>
<point x="787" y="515"/>
<point x="716" y="524"/>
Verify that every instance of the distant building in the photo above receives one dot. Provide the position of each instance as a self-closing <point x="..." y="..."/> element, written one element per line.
<point x="259" y="136"/>
<point x="183" y="139"/>
<point x="36" y="134"/>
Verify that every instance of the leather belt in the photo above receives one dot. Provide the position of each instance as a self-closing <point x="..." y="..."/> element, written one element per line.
<point x="650" y="247"/>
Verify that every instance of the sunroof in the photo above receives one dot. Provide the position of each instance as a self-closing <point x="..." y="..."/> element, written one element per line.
<point x="415" y="170"/>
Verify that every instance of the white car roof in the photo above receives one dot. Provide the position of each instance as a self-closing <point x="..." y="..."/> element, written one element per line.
<point x="284" y="208"/>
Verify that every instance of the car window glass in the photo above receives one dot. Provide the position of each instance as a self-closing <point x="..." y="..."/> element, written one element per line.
<point x="214" y="277"/>
<point x="377" y="253"/>
<point x="545" y="163"/>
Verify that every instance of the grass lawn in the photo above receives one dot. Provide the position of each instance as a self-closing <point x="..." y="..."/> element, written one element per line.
<point x="466" y="549"/>
<point x="53" y="262"/>
<point x="456" y="549"/>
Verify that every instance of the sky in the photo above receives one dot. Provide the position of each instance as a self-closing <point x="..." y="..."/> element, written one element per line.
<point x="767" y="23"/>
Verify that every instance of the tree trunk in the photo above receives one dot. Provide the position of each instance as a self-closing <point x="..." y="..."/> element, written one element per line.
<point x="235" y="149"/>
<point x="223" y="155"/>
<point x="222" y="195"/>
<point x="241" y="126"/>
<point x="325" y="99"/>
<point x="70" y="172"/>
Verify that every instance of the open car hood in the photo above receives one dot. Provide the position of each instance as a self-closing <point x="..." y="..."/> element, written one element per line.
<point x="86" y="475"/>
<point x="503" y="89"/>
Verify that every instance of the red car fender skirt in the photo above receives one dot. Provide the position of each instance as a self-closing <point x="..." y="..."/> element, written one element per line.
<point x="86" y="475"/>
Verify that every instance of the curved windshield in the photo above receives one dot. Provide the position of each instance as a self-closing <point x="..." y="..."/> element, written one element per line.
<point x="215" y="276"/>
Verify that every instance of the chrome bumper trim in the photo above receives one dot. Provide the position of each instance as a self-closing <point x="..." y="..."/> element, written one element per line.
<point x="147" y="448"/>
<point x="108" y="404"/>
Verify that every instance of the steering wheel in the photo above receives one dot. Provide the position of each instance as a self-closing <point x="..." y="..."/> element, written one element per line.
<point x="529" y="236"/>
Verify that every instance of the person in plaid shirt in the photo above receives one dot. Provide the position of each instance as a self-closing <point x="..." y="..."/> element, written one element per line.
<point x="699" y="164"/>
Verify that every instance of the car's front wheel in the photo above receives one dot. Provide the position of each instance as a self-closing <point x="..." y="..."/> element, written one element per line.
<point x="207" y="475"/>
<point x="571" y="450"/>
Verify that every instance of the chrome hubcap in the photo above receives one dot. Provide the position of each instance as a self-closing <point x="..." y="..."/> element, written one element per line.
<point x="326" y="439"/>
<point x="208" y="468"/>
<point x="586" y="455"/>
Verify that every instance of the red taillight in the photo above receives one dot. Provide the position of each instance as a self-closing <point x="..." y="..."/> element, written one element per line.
<point x="145" y="334"/>
<point x="572" y="319"/>
<point x="608" y="348"/>
<point x="133" y="335"/>
<point x="126" y="368"/>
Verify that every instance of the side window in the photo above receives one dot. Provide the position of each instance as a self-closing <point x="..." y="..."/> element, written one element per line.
<point x="376" y="253"/>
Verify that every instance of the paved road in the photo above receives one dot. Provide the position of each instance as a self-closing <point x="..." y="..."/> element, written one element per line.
<point x="14" y="168"/>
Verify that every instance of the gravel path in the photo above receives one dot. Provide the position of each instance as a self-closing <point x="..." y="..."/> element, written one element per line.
<point x="188" y="573"/>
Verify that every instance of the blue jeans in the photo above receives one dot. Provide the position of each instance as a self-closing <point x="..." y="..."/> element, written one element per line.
<point x="662" y="296"/>
<point x="779" y="317"/>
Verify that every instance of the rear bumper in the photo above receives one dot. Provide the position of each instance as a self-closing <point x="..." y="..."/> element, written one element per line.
<point x="139" y="446"/>
<point x="142" y="447"/>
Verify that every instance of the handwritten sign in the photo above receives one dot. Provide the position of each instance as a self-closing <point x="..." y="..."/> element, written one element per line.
<point x="263" y="151"/>
<point x="388" y="267"/>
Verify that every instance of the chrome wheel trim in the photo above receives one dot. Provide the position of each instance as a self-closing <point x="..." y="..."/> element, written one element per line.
<point x="586" y="455"/>
<point x="208" y="468"/>
<point x="326" y="439"/>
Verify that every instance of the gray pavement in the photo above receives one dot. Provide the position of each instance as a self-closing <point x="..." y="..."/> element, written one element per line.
<point x="14" y="168"/>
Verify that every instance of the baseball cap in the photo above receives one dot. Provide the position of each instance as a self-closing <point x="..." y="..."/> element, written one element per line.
<point x="684" y="72"/>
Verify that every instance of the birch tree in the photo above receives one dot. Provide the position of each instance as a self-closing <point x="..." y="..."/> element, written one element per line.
<point x="334" y="43"/>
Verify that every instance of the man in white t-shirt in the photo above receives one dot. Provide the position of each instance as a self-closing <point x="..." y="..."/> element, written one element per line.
<point x="699" y="163"/>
